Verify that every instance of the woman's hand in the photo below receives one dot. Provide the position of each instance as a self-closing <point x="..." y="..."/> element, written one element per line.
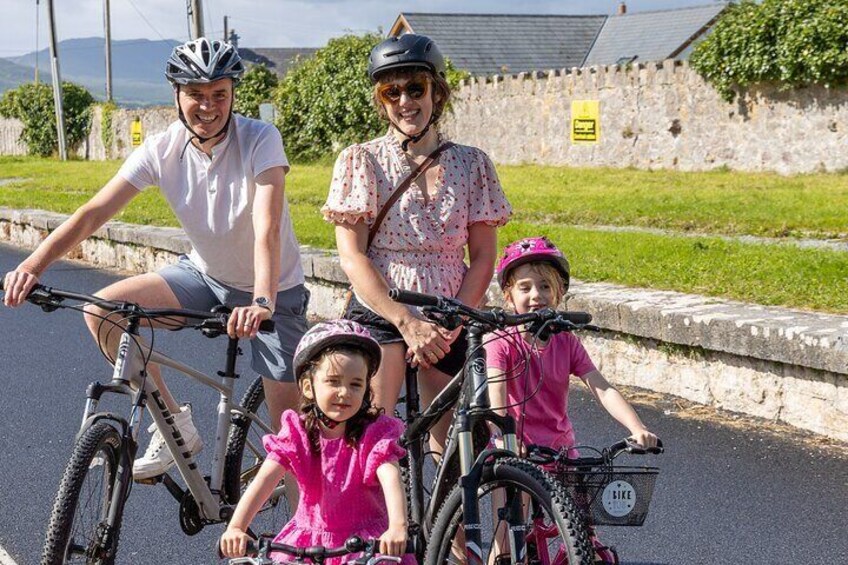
<point x="234" y="542"/>
<point x="393" y="540"/>
<point x="644" y="438"/>
<point x="17" y="285"/>
<point x="244" y="321"/>
<point x="426" y="344"/>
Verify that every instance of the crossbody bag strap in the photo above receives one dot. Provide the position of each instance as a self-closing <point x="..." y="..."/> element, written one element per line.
<point x="403" y="186"/>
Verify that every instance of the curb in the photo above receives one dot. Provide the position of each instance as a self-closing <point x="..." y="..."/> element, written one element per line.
<point x="5" y="558"/>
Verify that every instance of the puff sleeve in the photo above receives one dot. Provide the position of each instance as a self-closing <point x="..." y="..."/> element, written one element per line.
<point x="380" y="445"/>
<point x="488" y="203"/>
<point x="353" y="190"/>
<point x="287" y="447"/>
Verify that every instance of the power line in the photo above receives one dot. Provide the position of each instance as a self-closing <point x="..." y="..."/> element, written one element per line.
<point x="145" y="19"/>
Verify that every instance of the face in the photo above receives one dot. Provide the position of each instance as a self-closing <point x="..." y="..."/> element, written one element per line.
<point x="530" y="290"/>
<point x="206" y="106"/>
<point x="338" y="385"/>
<point x="408" y="102"/>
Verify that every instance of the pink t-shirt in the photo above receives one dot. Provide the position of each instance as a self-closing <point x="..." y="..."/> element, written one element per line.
<point x="537" y="383"/>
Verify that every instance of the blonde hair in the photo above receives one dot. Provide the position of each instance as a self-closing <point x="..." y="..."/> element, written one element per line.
<point x="544" y="269"/>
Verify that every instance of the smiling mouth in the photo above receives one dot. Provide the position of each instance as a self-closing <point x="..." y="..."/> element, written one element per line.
<point x="410" y="115"/>
<point x="206" y="119"/>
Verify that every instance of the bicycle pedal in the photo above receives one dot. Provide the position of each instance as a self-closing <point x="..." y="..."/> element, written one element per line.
<point x="149" y="480"/>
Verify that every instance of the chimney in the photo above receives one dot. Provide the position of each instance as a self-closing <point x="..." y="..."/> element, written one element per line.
<point x="622" y="8"/>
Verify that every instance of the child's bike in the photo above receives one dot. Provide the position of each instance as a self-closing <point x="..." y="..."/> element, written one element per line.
<point x="484" y="501"/>
<point x="86" y="519"/>
<point x="258" y="553"/>
<point x="606" y="493"/>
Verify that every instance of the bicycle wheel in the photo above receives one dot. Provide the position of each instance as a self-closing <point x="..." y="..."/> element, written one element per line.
<point x="81" y="509"/>
<point x="555" y="531"/>
<point x="245" y="455"/>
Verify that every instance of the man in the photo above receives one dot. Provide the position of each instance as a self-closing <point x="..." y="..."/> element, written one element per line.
<point x="224" y="177"/>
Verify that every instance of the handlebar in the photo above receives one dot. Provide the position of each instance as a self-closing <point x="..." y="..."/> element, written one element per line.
<point x="353" y="544"/>
<point x="210" y="323"/>
<point x="448" y="311"/>
<point x="542" y="455"/>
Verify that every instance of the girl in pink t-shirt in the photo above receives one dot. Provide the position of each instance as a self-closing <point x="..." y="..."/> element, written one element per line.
<point x="342" y="451"/>
<point x="529" y="377"/>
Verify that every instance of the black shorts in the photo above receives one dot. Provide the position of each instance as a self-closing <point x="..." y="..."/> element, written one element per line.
<point x="385" y="333"/>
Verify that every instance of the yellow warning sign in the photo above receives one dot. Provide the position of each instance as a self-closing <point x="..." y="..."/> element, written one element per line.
<point x="135" y="132"/>
<point x="585" y="122"/>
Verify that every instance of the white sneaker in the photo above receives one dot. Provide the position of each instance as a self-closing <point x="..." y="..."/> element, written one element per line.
<point x="157" y="458"/>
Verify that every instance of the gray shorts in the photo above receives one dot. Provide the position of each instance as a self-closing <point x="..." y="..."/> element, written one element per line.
<point x="271" y="353"/>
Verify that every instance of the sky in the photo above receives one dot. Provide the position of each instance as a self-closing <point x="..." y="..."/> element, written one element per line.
<point x="263" y="23"/>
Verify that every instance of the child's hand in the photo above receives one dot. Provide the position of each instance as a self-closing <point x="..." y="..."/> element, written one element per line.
<point x="644" y="438"/>
<point x="393" y="541"/>
<point x="234" y="542"/>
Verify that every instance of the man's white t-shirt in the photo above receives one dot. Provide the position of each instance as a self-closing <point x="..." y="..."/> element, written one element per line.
<point x="213" y="197"/>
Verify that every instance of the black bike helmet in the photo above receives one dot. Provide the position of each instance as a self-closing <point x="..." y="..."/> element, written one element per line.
<point x="408" y="50"/>
<point x="203" y="61"/>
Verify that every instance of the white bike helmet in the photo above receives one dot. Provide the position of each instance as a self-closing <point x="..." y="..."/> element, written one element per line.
<point x="202" y="61"/>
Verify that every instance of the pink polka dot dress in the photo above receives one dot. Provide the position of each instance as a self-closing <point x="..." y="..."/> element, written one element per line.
<point x="421" y="243"/>
<point x="340" y="494"/>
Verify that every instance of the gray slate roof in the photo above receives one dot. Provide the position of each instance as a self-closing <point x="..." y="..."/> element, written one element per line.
<point x="279" y="60"/>
<point x="486" y="44"/>
<point x="650" y="36"/>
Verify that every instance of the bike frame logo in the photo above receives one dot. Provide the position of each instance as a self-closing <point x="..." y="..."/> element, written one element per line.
<point x="619" y="498"/>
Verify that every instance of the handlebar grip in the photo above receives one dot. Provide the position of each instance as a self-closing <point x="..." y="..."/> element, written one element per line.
<point x="251" y="550"/>
<point x="413" y="298"/>
<point x="267" y="326"/>
<point x="2" y="280"/>
<point x="577" y="318"/>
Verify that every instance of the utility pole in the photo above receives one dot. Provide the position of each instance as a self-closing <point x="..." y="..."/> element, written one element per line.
<point x="37" y="10"/>
<point x="195" y="12"/>
<point x="57" y="83"/>
<point x="226" y="29"/>
<point x="107" y="24"/>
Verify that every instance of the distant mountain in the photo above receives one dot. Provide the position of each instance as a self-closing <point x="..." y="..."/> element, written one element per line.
<point x="138" y="67"/>
<point x="11" y="75"/>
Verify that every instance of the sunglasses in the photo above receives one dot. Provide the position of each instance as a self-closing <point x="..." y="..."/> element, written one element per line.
<point x="415" y="90"/>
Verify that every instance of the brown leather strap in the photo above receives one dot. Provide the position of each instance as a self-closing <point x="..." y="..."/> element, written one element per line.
<point x="431" y="158"/>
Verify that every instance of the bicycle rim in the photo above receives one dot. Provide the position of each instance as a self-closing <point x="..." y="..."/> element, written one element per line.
<point x="245" y="456"/>
<point x="78" y="522"/>
<point x="514" y="495"/>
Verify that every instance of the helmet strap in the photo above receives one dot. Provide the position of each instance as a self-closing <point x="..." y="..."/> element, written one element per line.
<point x="325" y="420"/>
<point x="413" y="138"/>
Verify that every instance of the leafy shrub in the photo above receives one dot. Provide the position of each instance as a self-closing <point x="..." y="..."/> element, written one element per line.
<point x="33" y="105"/>
<point x="256" y="87"/>
<point x="324" y="103"/>
<point x="795" y="42"/>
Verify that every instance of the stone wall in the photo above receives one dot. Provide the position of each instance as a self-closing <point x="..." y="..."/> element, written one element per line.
<point x="653" y="116"/>
<point x="775" y="363"/>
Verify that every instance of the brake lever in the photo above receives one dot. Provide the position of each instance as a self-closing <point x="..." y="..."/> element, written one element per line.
<point x="45" y="300"/>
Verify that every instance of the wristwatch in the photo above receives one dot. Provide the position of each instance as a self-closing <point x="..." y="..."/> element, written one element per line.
<point x="264" y="303"/>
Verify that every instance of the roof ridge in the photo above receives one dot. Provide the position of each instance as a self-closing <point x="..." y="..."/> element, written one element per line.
<point x="504" y="15"/>
<point x="722" y="3"/>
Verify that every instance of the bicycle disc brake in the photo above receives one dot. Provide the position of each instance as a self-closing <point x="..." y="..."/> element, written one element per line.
<point x="190" y="520"/>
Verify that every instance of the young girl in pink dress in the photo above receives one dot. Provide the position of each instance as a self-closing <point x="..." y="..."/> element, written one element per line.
<point x="341" y="449"/>
<point x="530" y="377"/>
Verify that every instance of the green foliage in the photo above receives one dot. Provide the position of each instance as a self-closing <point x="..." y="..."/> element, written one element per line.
<point x="795" y="42"/>
<point x="324" y="103"/>
<point x="256" y="87"/>
<point x="107" y="131"/>
<point x="33" y="105"/>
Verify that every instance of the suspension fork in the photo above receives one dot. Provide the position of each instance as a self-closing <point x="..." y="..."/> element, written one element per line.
<point x="415" y="449"/>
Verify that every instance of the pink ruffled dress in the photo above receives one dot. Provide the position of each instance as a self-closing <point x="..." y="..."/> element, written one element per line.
<point x="340" y="494"/>
<point x="421" y="243"/>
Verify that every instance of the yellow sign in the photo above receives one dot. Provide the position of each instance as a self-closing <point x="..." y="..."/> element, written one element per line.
<point x="585" y="122"/>
<point x="135" y="132"/>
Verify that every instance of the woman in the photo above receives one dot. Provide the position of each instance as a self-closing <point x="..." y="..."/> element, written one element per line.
<point x="453" y="206"/>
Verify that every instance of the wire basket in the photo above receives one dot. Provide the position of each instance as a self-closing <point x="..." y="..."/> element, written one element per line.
<point x="614" y="496"/>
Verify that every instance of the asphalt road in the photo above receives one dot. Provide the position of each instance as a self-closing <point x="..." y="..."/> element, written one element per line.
<point x="723" y="495"/>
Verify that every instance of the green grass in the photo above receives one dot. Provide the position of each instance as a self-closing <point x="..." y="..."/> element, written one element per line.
<point x="547" y="199"/>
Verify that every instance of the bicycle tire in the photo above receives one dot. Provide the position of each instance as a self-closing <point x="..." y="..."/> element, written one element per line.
<point x="546" y="496"/>
<point x="99" y="447"/>
<point x="240" y="466"/>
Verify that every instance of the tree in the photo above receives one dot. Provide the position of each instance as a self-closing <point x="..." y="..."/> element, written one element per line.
<point x="794" y="42"/>
<point x="256" y="87"/>
<point x="33" y="105"/>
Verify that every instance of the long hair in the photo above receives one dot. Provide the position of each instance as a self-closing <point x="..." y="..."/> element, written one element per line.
<point x="355" y="426"/>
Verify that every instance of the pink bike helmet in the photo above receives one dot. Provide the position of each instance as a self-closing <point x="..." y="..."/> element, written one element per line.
<point x="333" y="332"/>
<point x="531" y="249"/>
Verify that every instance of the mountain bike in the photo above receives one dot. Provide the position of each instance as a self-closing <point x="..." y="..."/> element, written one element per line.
<point x="606" y="493"/>
<point x="259" y="552"/>
<point x="85" y="522"/>
<point x="483" y="501"/>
